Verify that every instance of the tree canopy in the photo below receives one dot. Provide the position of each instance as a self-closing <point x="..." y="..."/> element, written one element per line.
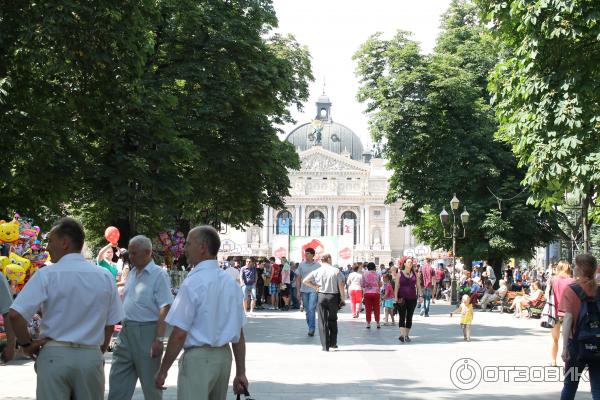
<point x="547" y="97"/>
<point x="432" y="116"/>
<point x="147" y="113"/>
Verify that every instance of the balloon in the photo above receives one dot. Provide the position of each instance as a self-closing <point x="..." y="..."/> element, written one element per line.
<point x="9" y="231"/>
<point x="17" y="268"/>
<point x="3" y="262"/>
<point x="112" y="234"/>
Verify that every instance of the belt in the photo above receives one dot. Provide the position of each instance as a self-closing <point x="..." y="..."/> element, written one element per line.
<point x="205" y="346"/>
<point x="58" y="343"/>
<point x="137" y="323"/>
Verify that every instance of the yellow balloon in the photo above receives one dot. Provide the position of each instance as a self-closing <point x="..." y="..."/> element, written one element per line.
<point x="16" y="269"/>
<point x="9" y="231"/>
<point x="3" y="262"/>
<point x="15" y="273"/>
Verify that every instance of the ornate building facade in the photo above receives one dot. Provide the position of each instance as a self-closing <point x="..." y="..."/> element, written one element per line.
<point x="339" y="191"/>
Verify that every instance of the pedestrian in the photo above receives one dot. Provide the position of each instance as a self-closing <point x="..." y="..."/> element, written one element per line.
<point x="307" y="293"/>
<point x="293" y="290"/>
<point x="248" y="277"/>
<point x="206" y="317"/>
<point x="556" y="287"/>
<point x="275" y="283"/>
<point x="81" y="306"/>
<point x="105" y="259"/>
<point x="328" y="281"/>
<point x="6" y="299"/>
<point x="260" y="284"/>
<point x="234" y="272"/>
<point x="355" y="289"/>
<point x="146" y="301"/>
<point x="371" y="284"/>
<point x="580" y="296"/>
<point x="466" y="316"/>
<point x="428" y="275"/>
<point x="284" y="287"/>
<point x="388" y="298"/>
<point x="491" y="275"/>
<point x="406" y="297"/>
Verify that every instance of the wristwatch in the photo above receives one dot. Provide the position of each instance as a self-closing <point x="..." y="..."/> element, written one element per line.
<point x="160" y="338"/>
<point x="23" y="345"/>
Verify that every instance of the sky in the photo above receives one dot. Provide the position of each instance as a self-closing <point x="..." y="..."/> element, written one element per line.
<point x="333" y="31"/>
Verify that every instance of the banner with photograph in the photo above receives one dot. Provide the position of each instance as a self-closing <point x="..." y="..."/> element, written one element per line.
<point x="316" y="225"/>
<point x="340" y="248"/>
<point x="283" y="226"/>
<point x="345" y="249"/>
<point x="280" y="246"/>
<point x="348" y="225"/>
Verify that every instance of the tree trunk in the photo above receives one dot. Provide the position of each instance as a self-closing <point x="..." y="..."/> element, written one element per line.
<point x="496" y="264"/>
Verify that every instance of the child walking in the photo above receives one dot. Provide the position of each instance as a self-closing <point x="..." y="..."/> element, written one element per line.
<point x="388" y="299"/>
<point x="466" y="316"/>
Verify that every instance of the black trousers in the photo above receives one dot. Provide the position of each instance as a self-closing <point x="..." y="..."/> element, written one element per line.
<point x="328" y="305"/>
<point x="406" y="311"/>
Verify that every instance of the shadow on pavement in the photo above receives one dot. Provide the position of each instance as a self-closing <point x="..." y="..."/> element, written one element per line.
<point x="381" y="389"/>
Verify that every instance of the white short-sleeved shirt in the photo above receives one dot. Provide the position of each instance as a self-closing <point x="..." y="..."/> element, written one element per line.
<point x="208" y="307"/>
<point x="327" y="277"/>
<point x="234" y="273"/>
<point x="146" y="293"/>
<point x="78" y="300"/>
<point x="355" y="280"/>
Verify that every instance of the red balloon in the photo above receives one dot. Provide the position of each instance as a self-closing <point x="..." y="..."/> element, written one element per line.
<point x="112" y="234"/>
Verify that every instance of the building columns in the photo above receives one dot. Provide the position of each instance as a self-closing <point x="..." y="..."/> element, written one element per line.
<point x="296" y="230"/>
<point x="335" y="222"/>
<point x="367" y="227"/>
<point x="302" y="220"/>
<point x="265" y="227"/>
<point x="386" y="229"/>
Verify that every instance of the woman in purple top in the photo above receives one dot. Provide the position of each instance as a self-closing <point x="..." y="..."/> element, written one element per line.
<point x="406" y="296"/>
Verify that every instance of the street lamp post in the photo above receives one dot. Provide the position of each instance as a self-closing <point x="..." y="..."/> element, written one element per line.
<point x="464" y="218"/>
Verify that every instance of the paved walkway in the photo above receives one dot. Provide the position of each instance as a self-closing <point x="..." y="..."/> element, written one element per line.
<point x="284" y="363"/>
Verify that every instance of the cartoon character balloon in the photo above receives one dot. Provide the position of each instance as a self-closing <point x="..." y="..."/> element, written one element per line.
<point x="9" y="231"/>
<point x="112" y="234"/>
<point x="3" y="263"/>
<point x="16" y="269"/>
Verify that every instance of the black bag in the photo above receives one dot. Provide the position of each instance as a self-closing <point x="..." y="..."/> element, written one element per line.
<point x="246" y="395"/>
<point x="585" y="345"/>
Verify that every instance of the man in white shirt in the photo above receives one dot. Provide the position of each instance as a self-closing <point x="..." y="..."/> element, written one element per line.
<point x="328" y="281"/>
<point x="490" y="272"/>
<point x="234" y="272"/>
<point x="206" y="316"/>
<point x="6" y="300"/>
<point x="80" y="305"/>
<point x="146" y="302"/>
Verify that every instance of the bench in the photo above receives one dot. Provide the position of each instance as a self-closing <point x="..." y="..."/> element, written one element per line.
<point x="535" y="308"/>
<point x="505" y="302"/>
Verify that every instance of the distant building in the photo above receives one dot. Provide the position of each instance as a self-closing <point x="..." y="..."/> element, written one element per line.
<point x="339" y="192"/>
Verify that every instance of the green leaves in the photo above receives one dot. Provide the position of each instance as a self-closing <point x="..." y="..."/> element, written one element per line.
<point x="432" y="115"/>
<point x="140" y="114"/>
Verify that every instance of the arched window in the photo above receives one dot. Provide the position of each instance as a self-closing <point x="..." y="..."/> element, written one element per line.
<point x="348" y="224"/>
<point x="316" y="224"/>
<point x="284" y="223"/>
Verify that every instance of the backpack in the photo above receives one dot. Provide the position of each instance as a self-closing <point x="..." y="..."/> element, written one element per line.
<point x="585" y="344"/>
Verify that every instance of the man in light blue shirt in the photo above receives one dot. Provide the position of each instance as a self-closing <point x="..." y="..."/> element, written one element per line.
<point x="308" y="295"/>
<point x="146" y="302"/>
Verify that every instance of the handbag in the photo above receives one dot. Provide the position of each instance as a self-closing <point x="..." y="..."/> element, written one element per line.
<point x="549" y="311"/>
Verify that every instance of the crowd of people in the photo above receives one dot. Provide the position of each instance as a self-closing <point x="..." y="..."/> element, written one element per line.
<point x="80" y="304"/>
